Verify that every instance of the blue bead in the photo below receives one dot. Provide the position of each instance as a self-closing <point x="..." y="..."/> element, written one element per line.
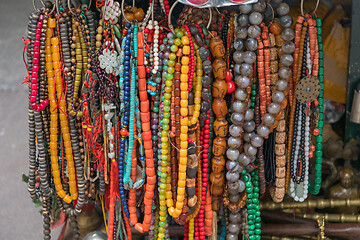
<point x="126" y="98"/>
<point x="127" y="57"/>
<point x="126" y="118"/>
<point x="122" y="154"/>
<point x="127" y="62"/>
<point x="127" y="73"/>
<point x="127" y="93"/>
<point x="122" y="195"/>
<point x="129" y="30"/>
<point x="122" y="140"/>
<point x="126" y="123"/>
<point x="126" y="68"/>
<point x="127" y="47"/>
<point x="128" y="25"/>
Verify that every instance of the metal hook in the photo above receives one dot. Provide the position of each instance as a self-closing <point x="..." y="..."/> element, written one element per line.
<point x="42" y="2"/>
<point x="302" y="6"/>
<point x="69" y="6"/>
<point x="123" y="11"/>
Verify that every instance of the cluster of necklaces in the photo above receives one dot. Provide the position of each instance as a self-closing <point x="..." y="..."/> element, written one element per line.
<point x="190" y="125"/>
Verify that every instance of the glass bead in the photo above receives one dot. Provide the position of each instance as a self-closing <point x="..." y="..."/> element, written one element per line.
<point x="243" y="20"/>
<point x="245" y="8"/>
<point x="255" y="18"/>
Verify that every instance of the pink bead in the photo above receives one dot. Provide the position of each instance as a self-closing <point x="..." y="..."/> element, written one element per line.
<point x="36" y="48"/>
<point x="35" y="60"/>
<point x="33" y="80"/>
<point x="33" y="105"/>
<point x="41" y="17"/>
<point x="36" y="43"/>
<point x="205" y="184"/>
<point x="35" y="68"/>
<point x="34" y="74"/>
<point x="33" y="93"/>
<point x="34" y="86"/>
<point x="33" y="100"/>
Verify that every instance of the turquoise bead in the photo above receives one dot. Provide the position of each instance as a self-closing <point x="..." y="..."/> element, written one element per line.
<point x="318" y="153"/>
<point x="319" y="160"/>
<point x="318" y="22"/>
<point x="318" y="167"/>
<point x="318" y="180"/>
<point x="318" y="174"/>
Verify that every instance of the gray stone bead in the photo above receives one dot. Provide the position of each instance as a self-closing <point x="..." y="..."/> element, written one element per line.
<point x="238" y="57"/>
<point x="245" y="8"/>
<point x="260" y="6"/>
<point x="232" y="154"/>
<point x="241" y="94"/>
<point x="243" y="20"/>
<point x="257" y="141"/>
<point x="239" y="44"/>
<point x="238" y="106"/>
<point x="274" y="108"/>
<point x="268" y="119"/>
<point x="255" y="18"/>
<point x="281" y="85"/>
<point x="286" y="21"/>
<point x="249" y="57"/>
<point x="285" y="72"/>
<point x="246" y="69"/>
<point x="249" y="126"/>
<point x="234" y="142"/>
<point x="249" y="149"/>
<point x="235" y="130"/>
<point x="232" y="166"/>
<point x="288" y="34"/>
<point x="235" y="217"/>
<point x="288" y="47"/>
<point x="232" y="176"/>
<point x="234" y="228"/>
<point x="242" y="81"/>
<point x="244" y="160"/>
<point x="254" y="31"/>
<point x="278" y="97"/>
<point x="241" y="33"/>
<point x="286" y="60"/>
<point x="283" y="9"/>
<point x="251" y="44"/>
<point x="249" y="115"/>
<point x="237" y="118"/>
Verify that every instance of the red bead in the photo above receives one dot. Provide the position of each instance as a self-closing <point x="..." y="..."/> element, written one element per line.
<point x="231" y="87"/>
<point x="124" y="31"/>
<point x="205" y="165"/>
<point x="228" y="76"/>
<point x="204" y="175"/>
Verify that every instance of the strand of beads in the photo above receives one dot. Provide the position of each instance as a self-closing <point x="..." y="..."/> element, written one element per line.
<point x="219" y="89"/>
<point x="176" y="211"/>
<point x="314" y="189"/>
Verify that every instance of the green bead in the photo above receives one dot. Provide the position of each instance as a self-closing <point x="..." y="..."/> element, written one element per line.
<point x="255" y="200"/>
<point x="167" y="108"/>
<point x="257" y="213"/>
<point x="251" y="227"/>
<point x="318" y="167"/>
<point x="318" y="180"/>
<point x="318" y="22"/>
<point x="179" y="34"/>
<point x="117" y="32"/>
<point x="256" y="195"/>
<point x="249" y="189"/>
<point x="256" y="189"/>
<point x="256" y="177"/>
<point x="162" y="224"/>
<point x="243" y="172"/>
<point x="174" y="48"/>
<point x="168" y="77"/>
<point x="156" y="109"/>
<point x="171" y="70"/>
<point x="251" y="221"/>
<point x="251" y="232"/>
<point x="258" y="236"/>
<point x="166" y="127"/>
<point x="321" y="109"/>
<point x="258" y="231"/>
<point x="318" y="174"/>
<point x="154" y="137"/>
<point x="167" y="95"/>
<point x="258" y="219"/>
<point x="319" y="39"/>
<point x="319" y="160"/>
<point x="321" y="78"/>
<point x="318" y="153"/>
<point x="321" y="93"/>
<point x="251" y="211"/>
<point x="257" y="207"/>
<point x="321" y="62"/>
<point x="251" y="217"/>
<point x="248" y="184"/>
<point x="318" y="145"/>
<point x="257" y="225"/>
<point x="321" y="55"/>
<point x="246" y="178"/>
<point x="251" y="237"/>
<point x="250" y="195"/>
<point x="167" y="102"/>
<point x="250" y="206"/>
<point x="256" y="183"/>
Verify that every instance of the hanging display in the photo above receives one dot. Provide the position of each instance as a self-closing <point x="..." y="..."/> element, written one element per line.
<point x="159" y="124"/>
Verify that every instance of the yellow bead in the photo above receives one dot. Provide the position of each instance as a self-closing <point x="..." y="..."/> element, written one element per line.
<point x="183" y="111"/>
<point x="197" y="100"/>
<point x="162" y="213"/>
<point x="182" y="167"/>
<point x="54" y="41"/>
<point x="184" y="95"/>
<point x="179" y="205"/>
<point x="184" y="121"/>
<point x="183" y="144"/>
<point x="183" y="136"/>
<point x="183" y="86"/>
<point x="177" y="212"/>
<point x="182" y="175"/>
<point x="168" y="195"/>
<point x="61" y="193"/>
<point x="193" y="120"/>
<point x="56" y="179"/>
<point x="184" y="103"/>
<point x="185" y="40"/>
<point x="182" y="183"/>
<point x="196" y="115"/>
<point x="184" y="78"/>
<point x="170" y="203"/>
<point x="183" y="160"/>
<point x="186" y="50"/>
<point x="171" y="211"/>
<point x="184" y="129"/>
<point x="185" y="60"/>
<point x="184" y="70"/>
<point x="197" y="107"/>
<point x="67" y="199"/>
<point x="181" y="191"/>
<point x="183" y="152"/>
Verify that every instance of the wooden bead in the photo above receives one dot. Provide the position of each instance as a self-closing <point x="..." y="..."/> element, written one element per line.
<point x="219" y="88"/>
<point x="219" y="68"/>
<point x="219" y="146"/>
<point x="217" y="47"/>
<point x="275" y="28"/>
<point x="221" y="127"/>
<point x="220" y="108"/>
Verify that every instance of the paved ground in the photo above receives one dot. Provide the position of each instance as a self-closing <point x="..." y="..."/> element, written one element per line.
<point x="19" y="219"/>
